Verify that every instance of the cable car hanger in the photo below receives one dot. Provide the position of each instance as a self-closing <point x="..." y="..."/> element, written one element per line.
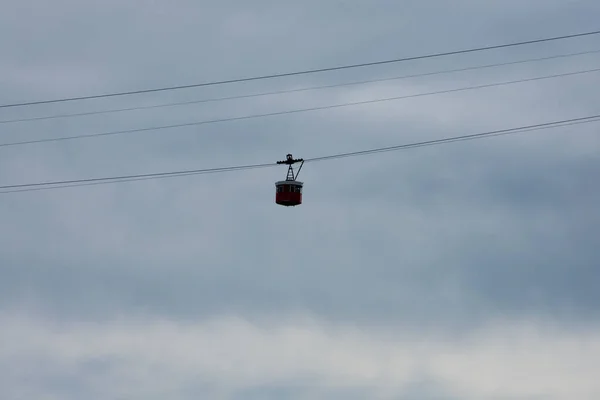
<point x="291" y="160"/>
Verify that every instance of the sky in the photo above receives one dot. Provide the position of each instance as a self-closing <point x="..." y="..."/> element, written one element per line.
<point x="465" y="270"/>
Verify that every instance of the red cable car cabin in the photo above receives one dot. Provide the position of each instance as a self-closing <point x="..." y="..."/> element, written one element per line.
<point x="289" y="192"/>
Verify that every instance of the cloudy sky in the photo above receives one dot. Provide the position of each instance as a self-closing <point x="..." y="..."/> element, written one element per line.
<point x="461" y="271"/>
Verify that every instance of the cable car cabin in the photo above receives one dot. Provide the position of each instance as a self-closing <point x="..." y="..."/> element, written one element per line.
<point x="288" y="193"/>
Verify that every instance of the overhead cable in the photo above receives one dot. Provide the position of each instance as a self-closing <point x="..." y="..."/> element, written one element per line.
<point x="286" y="112"/>
<point x="547" y="125"/>
<point x="304" y="72"/>
<point x="125" y="178"/>
<point x="303" y="89"/>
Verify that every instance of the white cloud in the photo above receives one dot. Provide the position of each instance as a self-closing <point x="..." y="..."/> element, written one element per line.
<point x="152" y="358"/>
